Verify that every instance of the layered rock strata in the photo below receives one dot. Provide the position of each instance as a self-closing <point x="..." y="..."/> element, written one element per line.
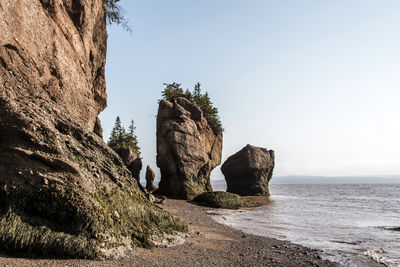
<point x="187" y="149"/>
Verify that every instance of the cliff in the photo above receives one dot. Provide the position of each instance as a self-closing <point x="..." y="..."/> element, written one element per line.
<point x="55" y="49"/>
<point x="63" y="191"/>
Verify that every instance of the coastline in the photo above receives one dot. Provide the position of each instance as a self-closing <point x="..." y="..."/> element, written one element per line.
<point x="209" y="243"/>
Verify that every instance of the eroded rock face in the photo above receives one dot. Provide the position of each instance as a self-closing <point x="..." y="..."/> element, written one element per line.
<point x="249" y="171"/>
<point x="55" y="49"/>
<point x="135" y="167"/>
<point x="150" y="176"/>
<point x="187" y="149"/>
<point x="132" y="161"/>
<point x="63" y="191"/>
<point x="62" y="182"/>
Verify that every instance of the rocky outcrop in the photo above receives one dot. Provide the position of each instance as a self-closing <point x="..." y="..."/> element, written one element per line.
<point x="249" y="171"/>
<point x="187" y="149"/>
<point x="150" y="176"/>
<point x="63" y="191"/>
<point x="224" y="200"/>
<point x="135" y="167"/>
<point x="55" y="49"/>
<point x="132" y="161"/>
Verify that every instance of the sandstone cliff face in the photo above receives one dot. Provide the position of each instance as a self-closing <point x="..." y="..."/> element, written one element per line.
<point x="55" y="49"/>
<point x="187" y="149"/>
<point x="63" y="191"/>
<point x="249" y="171"/>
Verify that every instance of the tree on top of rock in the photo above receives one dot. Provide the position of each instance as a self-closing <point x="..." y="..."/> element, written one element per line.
<point x="172" y="90"/>
<point x="210" y="112"/>
<point x="120" y="139"/>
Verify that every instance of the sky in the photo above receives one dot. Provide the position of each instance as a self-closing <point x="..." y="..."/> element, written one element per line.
<point x="316" y="81"/>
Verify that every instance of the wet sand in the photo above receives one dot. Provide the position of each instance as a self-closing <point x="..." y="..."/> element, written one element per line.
<point x="209" y="244"/>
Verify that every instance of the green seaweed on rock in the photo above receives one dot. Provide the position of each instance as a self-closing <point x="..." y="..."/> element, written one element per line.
<point x="224" y="200"/>
<point x="120" y="219"/>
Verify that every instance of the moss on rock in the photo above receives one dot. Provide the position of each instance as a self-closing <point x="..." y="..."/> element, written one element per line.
<point x="65" y="193"/>
<point x="224" y="200"/>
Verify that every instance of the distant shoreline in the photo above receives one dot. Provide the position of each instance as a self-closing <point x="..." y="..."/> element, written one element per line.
<point x="379" y="179"/>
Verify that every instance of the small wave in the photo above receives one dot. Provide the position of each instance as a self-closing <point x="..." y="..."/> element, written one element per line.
<point x="390" y="228"/>
<point x="376" y="255"/>
<point x="347" y="242"/>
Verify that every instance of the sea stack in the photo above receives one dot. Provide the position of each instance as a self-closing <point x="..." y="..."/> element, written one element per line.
<point x="133" y="162"/>
<point x="248" y="172"/>
<point x="187" y="149"/>
<point x="63" y="191"/>
<point x="150" y="176"/>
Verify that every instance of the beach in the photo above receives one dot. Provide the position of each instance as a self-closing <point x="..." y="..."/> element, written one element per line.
<point x="208" y="244"/>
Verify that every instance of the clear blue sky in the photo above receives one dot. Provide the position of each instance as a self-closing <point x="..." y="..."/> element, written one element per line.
<point x="316" y="81"/>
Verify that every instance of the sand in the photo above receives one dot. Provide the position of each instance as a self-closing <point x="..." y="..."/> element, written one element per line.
<point x="208" y="244"/>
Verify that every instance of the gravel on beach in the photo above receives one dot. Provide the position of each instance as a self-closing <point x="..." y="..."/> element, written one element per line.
<point x="209" y="244"/>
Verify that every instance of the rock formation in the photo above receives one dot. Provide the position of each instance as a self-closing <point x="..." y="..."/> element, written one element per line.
<point x="187" y="149"/>
<point x="224" y="200"/>
<point x="132" y="162"/>
<point x="55" y="49"/>
<point x="135" y="167"/>
<point x="63" y="191"/>
<point x="150" y="176"/>
<point x="249" y="171"/>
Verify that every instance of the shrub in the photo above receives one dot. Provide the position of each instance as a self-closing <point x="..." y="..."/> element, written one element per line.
<point x="210" y="112"/>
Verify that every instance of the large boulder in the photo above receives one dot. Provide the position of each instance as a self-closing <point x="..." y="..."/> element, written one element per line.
<point x="63" y="191"/>
<point x="249" y="171"/>
<point x="187" y="149"/>
<point x="224" y="200"/>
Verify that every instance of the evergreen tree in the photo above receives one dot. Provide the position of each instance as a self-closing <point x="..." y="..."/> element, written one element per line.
<point x="210" y="112"/>
<point x="188" y="95"/>
<point x="115" y="139"/>
<point x="131" y="138"/>
<point x="114" y="14"/>
<point x="120" y="139"/>
<point x="197" y="93"/>
<point x="172" y="90"/>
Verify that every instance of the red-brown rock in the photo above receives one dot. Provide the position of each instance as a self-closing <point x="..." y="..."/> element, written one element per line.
<point x="63" y="191"/>
<point x="187" y="149"/>
<point x="56" y="50"/>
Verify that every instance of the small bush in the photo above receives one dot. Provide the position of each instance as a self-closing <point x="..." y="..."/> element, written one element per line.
<point x="223" y="200"/>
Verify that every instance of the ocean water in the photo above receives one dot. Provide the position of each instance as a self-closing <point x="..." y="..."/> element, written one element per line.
<point x="353" y="224"/>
